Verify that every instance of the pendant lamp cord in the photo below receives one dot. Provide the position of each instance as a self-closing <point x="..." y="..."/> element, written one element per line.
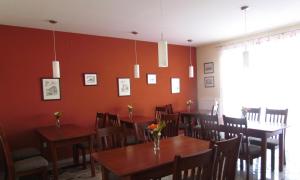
<point x="245" y="25"/>
<point x="161" y="21"/>
<point x="54" y="47"/>
<point x="190" y="54"/>
<point x="135" y="51"/>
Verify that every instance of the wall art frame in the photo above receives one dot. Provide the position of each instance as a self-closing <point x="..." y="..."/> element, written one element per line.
<point x="124" y="86"/>
<point x="50" y="89"/>
<point x="175" y="85"/>
<point x="209" y="68"/>
<point x="90" y="79"/>
<point x="151" y="78"/>
<point x="209" y="82"/>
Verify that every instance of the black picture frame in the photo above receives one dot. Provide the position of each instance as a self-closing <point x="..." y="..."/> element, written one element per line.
<point x="124" y="86"/>
<point x="50" y="89"/>
<point x="209" y="68"/>
<point x="209" y="82"/>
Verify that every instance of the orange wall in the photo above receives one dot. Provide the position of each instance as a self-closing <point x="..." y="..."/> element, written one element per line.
<point x="26" y="56"/>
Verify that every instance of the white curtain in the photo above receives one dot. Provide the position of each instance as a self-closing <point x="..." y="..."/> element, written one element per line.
<point x="272" y="78"/>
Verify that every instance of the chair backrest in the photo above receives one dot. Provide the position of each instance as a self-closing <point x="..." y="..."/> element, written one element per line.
<point x="191" y="121"/>
<point x="155" y="173"/>
<point x="233" y="128"/>
<point x="158" y="111"/>
<point x="169" y="109"/>
<point x="210" y="127"/>
<point x="276" y="115"/>
<point x="112" y="120"/>
<point x="5" y="149"/>
<point x="226" y="160"/>
<point x="111" y="137"/>
<point x="253" y="114"/>
<point x="197" y="167"/>
<point x="100" y="120"/>
<point x="172" y="125"/>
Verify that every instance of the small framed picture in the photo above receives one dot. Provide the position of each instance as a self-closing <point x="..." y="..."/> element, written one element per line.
<point x="209" y="82"/>
<point x="151" y="78"/>
<point x="124" y="86"/>
<point x="90" y="79"/>
<point x="208" y="68"/>
<point x="175" y="85"/>
<point x="50" y="88"/>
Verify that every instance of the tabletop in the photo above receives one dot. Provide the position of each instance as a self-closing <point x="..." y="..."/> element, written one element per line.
<point x="65" y="132"/>
<point x="132" y="159"/>
<point x="137" y="119"/>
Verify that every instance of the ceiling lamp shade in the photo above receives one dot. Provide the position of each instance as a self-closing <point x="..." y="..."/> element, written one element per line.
<point x="55" y="62"/>
<point x="191" y="67"/>
<point x="163" y="53"/>
<point x="245" y="52"/>
<point x="136" y="67"/>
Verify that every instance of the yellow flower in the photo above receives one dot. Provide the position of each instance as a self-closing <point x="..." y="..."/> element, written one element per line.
<point x="58" y="114"/>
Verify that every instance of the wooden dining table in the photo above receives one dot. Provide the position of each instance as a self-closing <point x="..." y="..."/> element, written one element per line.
<point x="127" y="161"/>
<point x="264" y="130"/>
<point x="67" y="134"/>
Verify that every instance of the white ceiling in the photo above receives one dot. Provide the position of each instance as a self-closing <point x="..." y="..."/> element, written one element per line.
<point x="204" y="21"/>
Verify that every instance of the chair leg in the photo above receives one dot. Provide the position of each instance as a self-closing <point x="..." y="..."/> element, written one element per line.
<point x="247" y="168"/>
<point x="45" y="174"/>
<point x="83" y="158"/>
<point x="75" y="154"/>
<point x="93" y="171"/>
<point x="284" y="162"/>
<point x="272" y="159"/>
<point x="241" y="165"/>
<point x="251" y="162"/>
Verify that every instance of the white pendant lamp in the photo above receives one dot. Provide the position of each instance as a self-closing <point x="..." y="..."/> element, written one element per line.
<point x="162" y="45"/>
<point x="55" y="62"/>
<point x="246" y="52"/>
<point x="191" y="67"/>
<point x="136" y="67"/>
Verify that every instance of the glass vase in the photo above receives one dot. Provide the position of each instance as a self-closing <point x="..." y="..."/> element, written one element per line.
<point x="188" y="108"/>
<point x="156" y="142"/>
<point x="58" y="123"/>
<point x="130" y="115"/>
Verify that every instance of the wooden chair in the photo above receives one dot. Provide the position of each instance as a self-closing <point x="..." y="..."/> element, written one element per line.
<point x="197" y="167"/>
<point x="190" y="123"/>
<point x="109" y="138"/>
<point x="24" y="167"/>
<point x="158" y="111"/>
<point x="169" y="109"/>
<point x="155" y="173"/>
<point x="100" y="120"/>
<point x="112" y="120"/>
<point x="210" y="127"/>
<point x="248" y="152"/>
<point x="226" y="160"/>
<point x="273" y="116"/>
<point x="253" y="114"/>
<point x="172" y="122"/>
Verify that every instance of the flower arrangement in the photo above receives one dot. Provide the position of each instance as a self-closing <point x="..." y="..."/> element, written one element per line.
<point x="57" y="116"/>
<point x="244" y="111"/>
<point x="130" y="108"/>
<point x="155" y="130"/>
<point x="189" y="102"/>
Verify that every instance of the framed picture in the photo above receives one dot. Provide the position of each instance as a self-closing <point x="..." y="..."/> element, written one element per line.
<point x="208" y="68"/>
<point x="209" y="82"/>
<point x="124" y="86"/>
<point x="175" y="85"/>
<point x="90" y="79"/>
<point x="51" y="88"/>
<point x="151" y="78"/>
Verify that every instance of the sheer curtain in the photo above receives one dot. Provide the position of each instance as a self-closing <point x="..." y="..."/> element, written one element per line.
<point x="271" y="79"/>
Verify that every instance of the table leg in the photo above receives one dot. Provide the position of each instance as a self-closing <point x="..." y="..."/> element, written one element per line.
<point x="281" y="151"/>
<point x="263" y="157"/>
<point x="104" y="172"/>
<point x="91" y="143"/>
<point x="54" y="160"/>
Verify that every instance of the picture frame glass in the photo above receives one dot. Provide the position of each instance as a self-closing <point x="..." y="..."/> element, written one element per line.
<point x="208" y="68"/>
<point x="51" y="88"/>
<point x="90" y="79"/>
<point x="124" y="87"/>
<point x="175" y="85"/>
<point x="151" y="78"/>
<point x="209" y="82"/>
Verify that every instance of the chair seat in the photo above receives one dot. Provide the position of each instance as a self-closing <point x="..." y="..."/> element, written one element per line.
<point x="254" y="150"/>
<point x="271" y="142"/>
<point x="24" y="153"/>
<point x="30" y="164"/>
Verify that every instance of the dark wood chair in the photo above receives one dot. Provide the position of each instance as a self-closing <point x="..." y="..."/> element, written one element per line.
<point x="101" y="119"/>
<point x="227" y="156"/>
<point x="172" y="125"/>
<point x="253" y="114"/>
<point x="169" y="108"/>
<point x="273" y="116"/>
<point x="197" y="167"/>
<point x="24" y="167"/>
<point x="109" y="138"/>
<point x="190" y="123"/>
<point x="158" y="111"/>
<point x="210" y="127"/>
<point x="112" y="120"/>
<point x="248" y="152"/>
<point x="155" y="173"/>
